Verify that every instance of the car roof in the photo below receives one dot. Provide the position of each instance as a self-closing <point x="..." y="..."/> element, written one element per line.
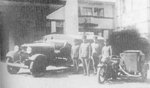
<point x="77" y="36"/>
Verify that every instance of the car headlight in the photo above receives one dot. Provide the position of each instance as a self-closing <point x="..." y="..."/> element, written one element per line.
<point x="29" y="50"/>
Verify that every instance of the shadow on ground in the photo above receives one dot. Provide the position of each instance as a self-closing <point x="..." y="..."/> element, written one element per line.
<point x="66" y="72"/>
<point x="54" y="73"/>
<point x="125" y="79"/>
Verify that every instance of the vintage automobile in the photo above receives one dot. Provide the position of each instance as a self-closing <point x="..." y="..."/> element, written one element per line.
<point x="131" y="63"/>
<point x="51" y="49"/>
<point x="38" y="55"/>
<point x="54" y="49"/>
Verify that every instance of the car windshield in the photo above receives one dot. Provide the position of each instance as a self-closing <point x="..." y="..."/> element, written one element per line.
<point x="43" y="39"/>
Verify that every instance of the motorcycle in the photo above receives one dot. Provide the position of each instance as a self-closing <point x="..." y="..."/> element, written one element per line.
<point x="108" y="69"/>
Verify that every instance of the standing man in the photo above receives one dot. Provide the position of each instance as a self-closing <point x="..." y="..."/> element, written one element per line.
<point x="75" y="55"/>
<point x="84" y="54"/>
<point x="96" y="51"/>
<point x="106" y="52"/>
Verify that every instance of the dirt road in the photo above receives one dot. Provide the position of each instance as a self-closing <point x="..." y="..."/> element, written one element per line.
<point x="63" y="78"/>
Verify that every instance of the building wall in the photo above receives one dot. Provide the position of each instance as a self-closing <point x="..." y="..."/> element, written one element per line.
<point x="71" y="17"/>
<point x="134" y="13"/>
<point x="105" y="22"/>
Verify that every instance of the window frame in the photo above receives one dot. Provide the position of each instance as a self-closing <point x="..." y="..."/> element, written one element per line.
<point x="100" y="13"/>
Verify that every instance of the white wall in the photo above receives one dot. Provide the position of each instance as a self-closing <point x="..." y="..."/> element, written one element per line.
<point x="136" y="12"/>
<point x="135" y="17"/>
<point x="71" y="17"/>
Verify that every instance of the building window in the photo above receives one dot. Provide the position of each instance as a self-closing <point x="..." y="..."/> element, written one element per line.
<point x="59" y="27"/>
<point x="99" y="12"/>
<point x="59" y="24"/>
<point x="86" y="11"/>
<point x="89" y="11"/>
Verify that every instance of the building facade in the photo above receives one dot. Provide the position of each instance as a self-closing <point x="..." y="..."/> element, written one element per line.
<point x="80" y="16"/>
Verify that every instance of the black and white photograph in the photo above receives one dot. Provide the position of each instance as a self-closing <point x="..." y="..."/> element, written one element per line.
<point x="74" y="43"/>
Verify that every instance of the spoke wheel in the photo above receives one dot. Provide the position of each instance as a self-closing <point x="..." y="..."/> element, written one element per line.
<point x="101" y="75"/>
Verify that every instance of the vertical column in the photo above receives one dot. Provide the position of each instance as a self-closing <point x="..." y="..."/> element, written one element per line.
<point x="53" y="26"/>
<point x="148" y="17"/>
<point x="114" y="15"/>
<point x="71" y="17"/>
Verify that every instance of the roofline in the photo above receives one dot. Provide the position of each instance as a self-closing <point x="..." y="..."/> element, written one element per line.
<point x="26" y="3"/>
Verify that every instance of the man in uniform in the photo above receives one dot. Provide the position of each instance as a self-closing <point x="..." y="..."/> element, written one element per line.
<point x="96" y="51"/>
<point x="84" y="54"/>
<point x="106" y="52"/>
<point x="75" y="55"/>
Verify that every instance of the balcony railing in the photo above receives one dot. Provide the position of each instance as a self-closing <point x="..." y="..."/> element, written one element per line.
<point x="100" y="22"/>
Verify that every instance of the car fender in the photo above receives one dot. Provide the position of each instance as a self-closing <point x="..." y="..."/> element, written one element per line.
<point x="12" y="57"/>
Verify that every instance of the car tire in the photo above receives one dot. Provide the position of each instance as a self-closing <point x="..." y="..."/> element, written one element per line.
<point x="11" y="69"/>
<point x="38" y="66"/>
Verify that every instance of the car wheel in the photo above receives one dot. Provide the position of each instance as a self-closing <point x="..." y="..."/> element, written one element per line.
<point x="114" y="75"/>
<point x="12" y="69"/>
<point x="38" y="66"/>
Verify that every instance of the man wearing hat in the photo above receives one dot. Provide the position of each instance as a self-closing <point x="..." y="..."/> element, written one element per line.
<point x="106" y="52"/>
<point x="75" y="55"/>
<point x="84" y="55"/>
<point x="96" y="52"/>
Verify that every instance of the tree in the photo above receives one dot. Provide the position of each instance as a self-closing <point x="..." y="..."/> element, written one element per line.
<point x="128" y="39"/>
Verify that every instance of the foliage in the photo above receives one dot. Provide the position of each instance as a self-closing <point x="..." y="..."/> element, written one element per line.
<point x="128" y="39"/>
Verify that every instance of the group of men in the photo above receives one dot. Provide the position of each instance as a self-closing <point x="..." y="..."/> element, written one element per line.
<point x="90" y="52"/>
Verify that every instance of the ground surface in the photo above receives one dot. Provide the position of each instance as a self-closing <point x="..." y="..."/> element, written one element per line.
<point x="63" y="78"/>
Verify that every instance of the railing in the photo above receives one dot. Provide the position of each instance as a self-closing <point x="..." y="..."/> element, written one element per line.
<point x="107" y="23"/>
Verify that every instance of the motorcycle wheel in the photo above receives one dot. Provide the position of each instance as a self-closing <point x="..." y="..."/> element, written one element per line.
<point x="115" y="72"/>
<point x="101" y="75"/>
<point x="114" y="75"/>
